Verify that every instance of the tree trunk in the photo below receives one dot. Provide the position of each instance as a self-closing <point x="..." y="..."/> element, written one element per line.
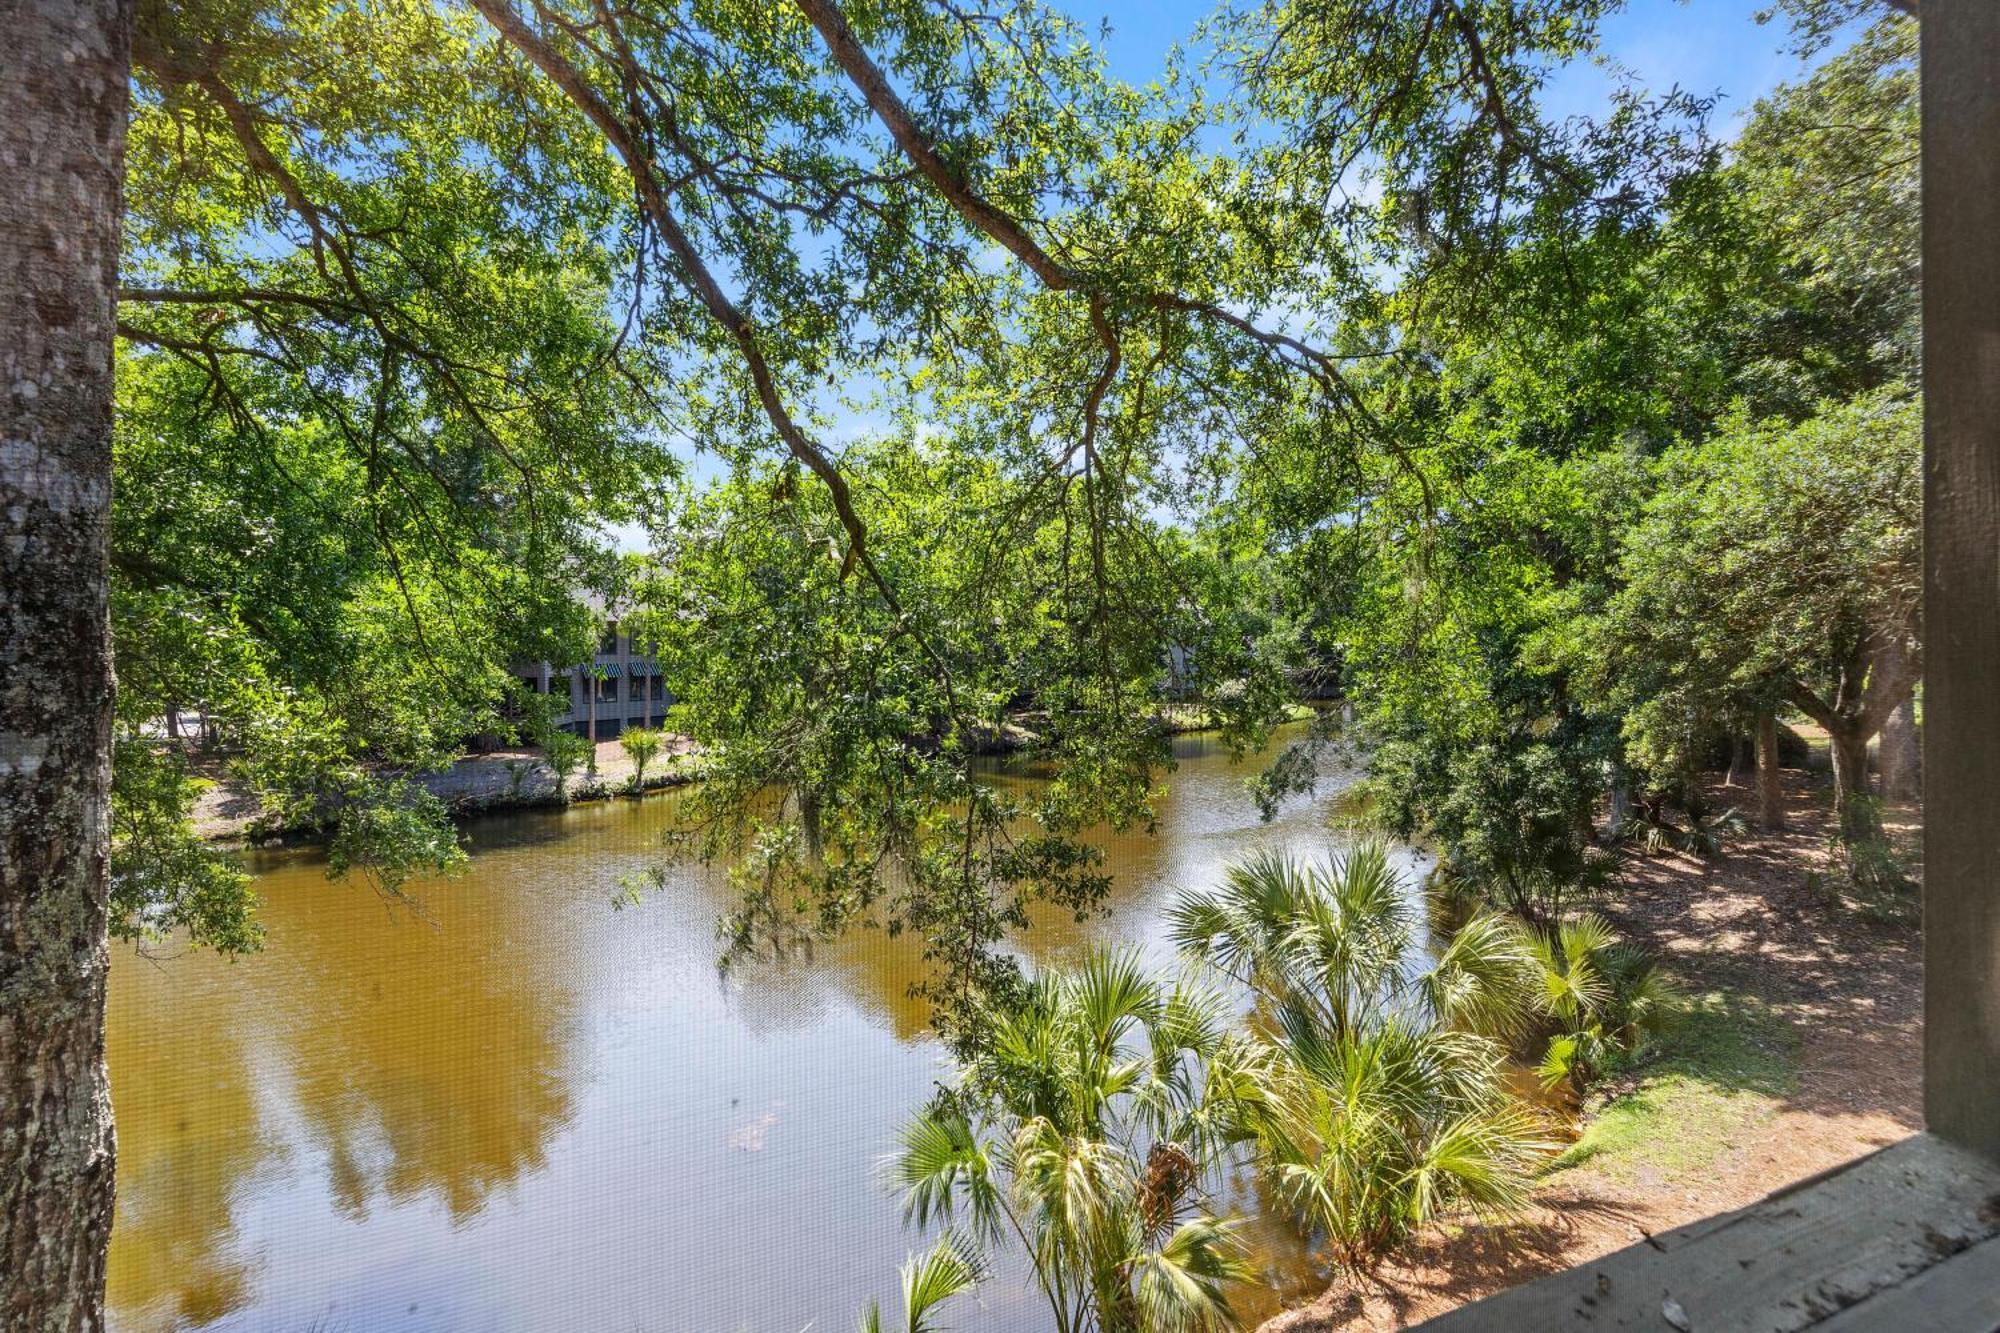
<point x="63" y="95"/>
<point x="590" y="692"/>
<point x="1858" y="820"/>
<point x="1770" y="781"/>
<point x="1901" y="765"/>
<point x="1736" y="756"/>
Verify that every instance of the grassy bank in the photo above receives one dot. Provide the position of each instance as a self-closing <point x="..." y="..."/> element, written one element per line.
<point x="1720" y="1069"/>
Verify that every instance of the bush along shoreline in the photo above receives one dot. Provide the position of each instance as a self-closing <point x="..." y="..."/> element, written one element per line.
<point x="229" y="814"/>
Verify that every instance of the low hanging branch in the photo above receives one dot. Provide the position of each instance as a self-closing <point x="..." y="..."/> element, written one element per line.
<point x="1008" y="231"/>
<point x="644" y="171"/>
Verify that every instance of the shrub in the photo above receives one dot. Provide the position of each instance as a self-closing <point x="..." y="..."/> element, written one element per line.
<point x="642" y="745"/>
<point x="1377" y="1104"/>
<point x="1090" y="1128"/>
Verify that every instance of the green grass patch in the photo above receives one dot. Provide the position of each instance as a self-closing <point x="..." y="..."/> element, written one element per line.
<point x="1720" y="1067"/>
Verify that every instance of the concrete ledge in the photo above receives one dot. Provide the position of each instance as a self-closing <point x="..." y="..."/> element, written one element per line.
<point x="1906" y="1238"/>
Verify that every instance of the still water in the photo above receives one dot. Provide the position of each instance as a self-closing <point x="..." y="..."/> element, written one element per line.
<point x="524" y="1109"/>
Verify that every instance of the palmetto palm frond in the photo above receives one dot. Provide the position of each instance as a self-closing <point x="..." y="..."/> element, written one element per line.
<point x="1376" y="1103"/>
<point x="1235" y="1096"/>
<point x="947" y="1269"/>
<point x="1642" y="994"/>
<point x="1241" y="926"/>
<point x="1331" y="934"/>
<point x="1484" y="981"/>
<point x="945" y="1168"/>
<point x="1576" y="1057"/>
<point x="1087" y="1129"/>
<point x="1569" y="956"/>
<point x="1068" y="1183"/>
<point x="1024" y="1054"/>
<point x="1350" y="934"/>
<point x="1183" y="1038"/>
<point x="1584" y="937"/>
<point x="1368" y="886"/>
<point x="1484" y="1160"/>
<point x="1182" y="1287"/>
<point x="1703" y="836"/>
<point x="1191" y="1019"/>
<point x="1109" y="995"/>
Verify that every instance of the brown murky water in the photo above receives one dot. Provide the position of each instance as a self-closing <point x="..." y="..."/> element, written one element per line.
<point x="530" y="1111"/>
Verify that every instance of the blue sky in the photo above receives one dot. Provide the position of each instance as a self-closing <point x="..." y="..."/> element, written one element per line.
<point x="1704" y="46"/>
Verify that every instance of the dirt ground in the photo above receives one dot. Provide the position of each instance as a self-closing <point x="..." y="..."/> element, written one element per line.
<point x="1750" y="928"/>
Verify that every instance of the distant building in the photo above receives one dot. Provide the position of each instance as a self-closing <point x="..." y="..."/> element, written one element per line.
<point x="618" y="688"/>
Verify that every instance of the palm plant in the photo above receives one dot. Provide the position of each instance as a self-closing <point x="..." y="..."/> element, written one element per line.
<point x="1569" y="959"/>
<point x="1378" y="1104"/>
<point x="1337" y="941"/>
<point x="1602" y="994"/>
<point x="1088" y="1130"/>
<point x="1704" y="834"/>
<point x="641" y="745"/>
<point x="930" y="1279"/>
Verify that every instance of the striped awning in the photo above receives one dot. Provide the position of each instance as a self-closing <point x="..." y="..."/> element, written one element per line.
<point x="611" y="670"/>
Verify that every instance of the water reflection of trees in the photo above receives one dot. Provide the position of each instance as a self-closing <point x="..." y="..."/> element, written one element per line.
<point x="188" y="1135"/>
<point x="401" y="1056"/>
<point x="428" y="1055"/>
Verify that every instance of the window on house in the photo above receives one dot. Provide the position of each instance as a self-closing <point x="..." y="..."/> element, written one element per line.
<point x="610" y="643"/>
<point x="607" y="689"/>
<point x="659" y="689"/>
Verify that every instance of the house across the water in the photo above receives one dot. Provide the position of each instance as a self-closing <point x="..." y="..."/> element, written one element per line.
<point x="619" y="687"/>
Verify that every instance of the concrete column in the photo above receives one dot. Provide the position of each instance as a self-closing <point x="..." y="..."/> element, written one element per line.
<point x="1961" y="168"/>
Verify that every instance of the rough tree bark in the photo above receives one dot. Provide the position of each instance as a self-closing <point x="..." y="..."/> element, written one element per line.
<point x="1620" y="802"/>
<point x="1850" y="783"/>
<point x="1770" y="782"/>
<point x="63" y="97"/>
<point x="1901" y="762"/>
